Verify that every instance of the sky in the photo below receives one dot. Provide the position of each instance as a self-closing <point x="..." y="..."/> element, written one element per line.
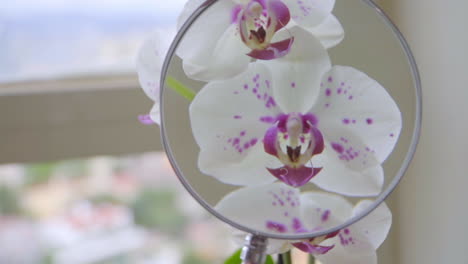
<point x="27" y="7"/>
<point x="43" y="38"/>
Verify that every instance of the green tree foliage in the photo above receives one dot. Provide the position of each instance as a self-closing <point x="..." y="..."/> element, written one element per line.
<point x="157" y="209"/>
<point x="39" y="173"/>
<point x="9" y="204"/>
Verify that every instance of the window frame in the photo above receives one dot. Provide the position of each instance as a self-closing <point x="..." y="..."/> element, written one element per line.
<point x="74" y="117"/>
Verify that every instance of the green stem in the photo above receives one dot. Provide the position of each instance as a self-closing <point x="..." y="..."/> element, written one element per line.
<point x="286" y="258"/>
<point x="311" y="259"/>
<point x="180" y="88"/>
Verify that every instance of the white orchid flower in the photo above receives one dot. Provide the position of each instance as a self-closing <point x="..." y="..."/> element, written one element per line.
<point x="229" y="34"/>
<point x="197" y="47"/>
<point x="300" y="119"/>
<point x="149" y="64"/>
<point x="285" y="210"/>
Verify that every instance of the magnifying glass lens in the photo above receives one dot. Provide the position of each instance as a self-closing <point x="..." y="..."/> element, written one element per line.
<point x="290" y="119"/>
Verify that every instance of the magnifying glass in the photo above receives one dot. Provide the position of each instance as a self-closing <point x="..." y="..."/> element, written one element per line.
<point x="302" y="117"/>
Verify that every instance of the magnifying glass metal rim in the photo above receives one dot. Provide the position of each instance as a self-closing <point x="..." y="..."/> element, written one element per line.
<point x="409" y="156"/>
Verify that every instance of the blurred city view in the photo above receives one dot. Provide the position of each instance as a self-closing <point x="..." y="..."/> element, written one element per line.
<point x="104" y="210"/>
<point x="98" y="210"/>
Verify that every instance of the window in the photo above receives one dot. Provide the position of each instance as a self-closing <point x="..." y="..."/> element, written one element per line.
<point x="68" y="86"/>
<point x="60" y="38"/>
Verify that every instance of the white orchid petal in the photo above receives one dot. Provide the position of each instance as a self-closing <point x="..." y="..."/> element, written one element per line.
<point x="376" y="225"/>
<point x="344" y="177"/>
<point x="309" y="13"/>
<point x="242" y="2"/>
<point x="149" y="63"/>
<point x="278" y="246"/>
<point x="339" y="255"/>
<point x="350" y="243"/>
<point x="285" y="210"/>
<point x="155" y="113"/>
<point x="229" y="119"/>
<point x="351" y="103"/>
<point x="213" y="50"/>
<point x="296" y="76"/>
<point x="224" y="60"/>
<point x="355" y="244"/>
<point x="364" y="237"/>
<point x="226" y="167"/>
<point x="329" y="32"/>
<point x="279" y="213"/>
<point x="323" y="210"/>
<point x="353" y="241"/>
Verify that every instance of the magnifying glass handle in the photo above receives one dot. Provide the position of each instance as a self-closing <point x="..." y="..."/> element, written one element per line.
<point x="254" y="250"/>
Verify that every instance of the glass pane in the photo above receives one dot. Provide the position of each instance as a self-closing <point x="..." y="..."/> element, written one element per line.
<point x="58" y="38"/>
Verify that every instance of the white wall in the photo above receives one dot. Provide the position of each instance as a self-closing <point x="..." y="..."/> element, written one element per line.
<point x="432" y="209"/>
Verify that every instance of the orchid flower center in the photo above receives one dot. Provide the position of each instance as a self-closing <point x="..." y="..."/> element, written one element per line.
<point x="294" y="128"/>
<point x="294" y="139"/>
<point x="257" y="25"/>
<point x="312" y="245"/>
<point x="298" y="138"/>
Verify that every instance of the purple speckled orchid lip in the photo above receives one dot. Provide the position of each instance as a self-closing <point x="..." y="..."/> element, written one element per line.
<point x="273" y="51"/>
<point x="313" y="249"/>
<point x="299" y="136"/>
<point x="312" y="246"/>
<point x="258" y="22"/>
<point x="295" y="177"/>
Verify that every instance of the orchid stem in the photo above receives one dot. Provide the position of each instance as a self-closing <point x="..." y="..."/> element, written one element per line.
<point x="179" y="88"/>
<point x="311" y="259"/>
<point x="285" y="258"/>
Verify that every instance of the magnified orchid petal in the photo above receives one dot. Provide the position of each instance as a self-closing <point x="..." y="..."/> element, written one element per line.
<point x="249" y="30"/>
<point x="287" y="211"/>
